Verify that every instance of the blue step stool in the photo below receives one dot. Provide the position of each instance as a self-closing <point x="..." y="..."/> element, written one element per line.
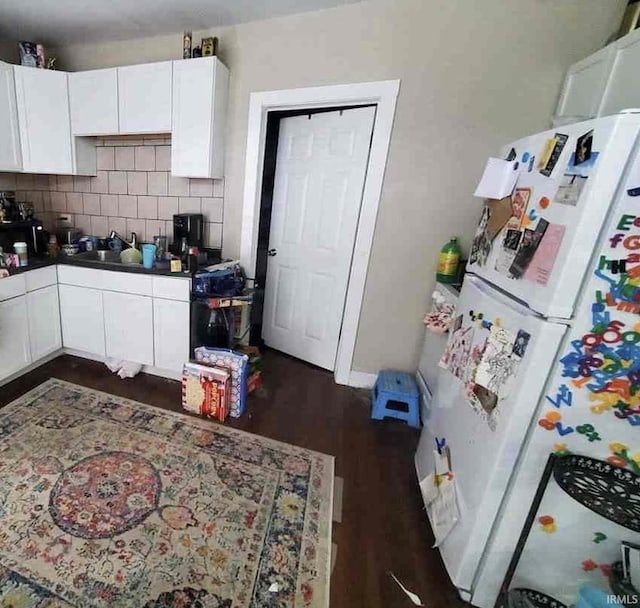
<point x="396" y="386"/>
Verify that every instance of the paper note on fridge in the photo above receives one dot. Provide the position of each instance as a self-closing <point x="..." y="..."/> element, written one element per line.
<point x="498" y="180"/>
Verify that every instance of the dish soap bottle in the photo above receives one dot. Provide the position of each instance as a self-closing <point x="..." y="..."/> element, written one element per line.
<point x="448" y="261"/>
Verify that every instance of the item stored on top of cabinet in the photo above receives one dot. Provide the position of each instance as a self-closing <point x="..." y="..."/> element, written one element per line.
<point x="40" y="58"/>
<point x="209" y="46"/>
<point x="608" y="490"/>
<point x="186" y="45"/>
<point x="28" y="53"/>
<point x="196" y="52"/>
<point x="448" y="261"/>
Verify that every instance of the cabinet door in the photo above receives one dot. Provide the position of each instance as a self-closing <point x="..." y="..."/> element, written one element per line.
<point x="14" y="337"/>
<point x="623" y="87"/>
<point x="10" y="157"/>
<point x="584" y="85"/>
<point x="81" y="315"/>
<point x="43" y="310"/>
<point x="128" y="327"/>
<point x="43" y="118"/>
<point x="93" y="99"/>
<point x="199" y="117"/>
<point x="171" y="333"/>
<point x="144" y="98"/>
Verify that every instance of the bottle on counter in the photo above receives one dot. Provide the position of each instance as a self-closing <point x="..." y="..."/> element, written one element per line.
<point x="52" y="247"/>
<point x="186" y="45"/>
<point x="448" y="262"/>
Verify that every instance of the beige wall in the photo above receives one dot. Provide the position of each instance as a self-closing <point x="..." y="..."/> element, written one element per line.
<point x="8" y="51"/>
<point x="473" y="74"/>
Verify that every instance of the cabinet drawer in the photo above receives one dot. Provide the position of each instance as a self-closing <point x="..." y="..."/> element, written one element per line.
<point x="81" y="277"/>
<point x="41" y="277"/>
<point x="171" y="289"/>
<point x="125" y="282"/>
<point x="11" y="287"/>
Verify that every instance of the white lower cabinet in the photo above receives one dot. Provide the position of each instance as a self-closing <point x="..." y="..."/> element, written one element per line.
<point x="15" y="353"/>
<point x="82" y="318"/>
<point x="101" y="314"/>
<point x="128" y="327"/>
<point x="43" y="310"/>
<point x="171" y="334"/>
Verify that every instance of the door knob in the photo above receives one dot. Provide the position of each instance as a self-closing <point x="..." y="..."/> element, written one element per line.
<point x="272" y="252"/>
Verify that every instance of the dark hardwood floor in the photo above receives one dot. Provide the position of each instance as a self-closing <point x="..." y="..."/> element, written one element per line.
<point x="384" y="527"/>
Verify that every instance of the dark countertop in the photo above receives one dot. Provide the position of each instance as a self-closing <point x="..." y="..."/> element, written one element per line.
<point x="35" y="263"/>
<point x="71" y="260"/>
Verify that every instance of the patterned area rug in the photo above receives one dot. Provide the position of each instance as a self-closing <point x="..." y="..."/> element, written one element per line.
<point x="109" y="502"/>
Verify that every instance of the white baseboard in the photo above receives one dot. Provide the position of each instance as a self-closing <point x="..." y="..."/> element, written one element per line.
<point x="361" y="379"/>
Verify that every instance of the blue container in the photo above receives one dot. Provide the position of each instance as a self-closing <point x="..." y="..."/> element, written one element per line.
<point x="592" y="597"/>
<point x="148" y="255"/>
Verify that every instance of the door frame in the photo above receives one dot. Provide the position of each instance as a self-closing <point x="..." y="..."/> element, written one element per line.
<point x="384" y="95"/>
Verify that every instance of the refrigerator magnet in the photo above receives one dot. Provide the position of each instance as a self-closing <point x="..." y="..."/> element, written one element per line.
<point x="512" y="240"/>
<point x="499" y="214"/>
<point x="583" y="148"/>
<point x="521" y="343"/>
<point x="530" y="242"/>
<point x="511" y="155"/>
<point x="544" y="258"/>
<point x="553" y="150"/>
<point x="582" y="169"/>
<point x="570" y="189"/>
<point x="519" y="203"/>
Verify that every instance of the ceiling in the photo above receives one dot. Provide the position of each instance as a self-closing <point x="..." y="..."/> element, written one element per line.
<point x="62" y="22"/>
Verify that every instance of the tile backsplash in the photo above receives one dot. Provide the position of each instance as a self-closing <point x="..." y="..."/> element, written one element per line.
<point x="133" y="191"/>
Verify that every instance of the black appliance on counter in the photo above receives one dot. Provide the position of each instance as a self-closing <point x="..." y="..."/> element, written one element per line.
<point x="29" y="231"/>
<point x="18" y="225"/>
<point x="188" y="226"/>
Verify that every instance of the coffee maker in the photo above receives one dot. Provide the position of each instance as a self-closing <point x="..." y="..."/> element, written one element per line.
<point x="188" y="226"/>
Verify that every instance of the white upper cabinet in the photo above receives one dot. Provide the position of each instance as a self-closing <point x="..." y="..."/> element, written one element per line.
<point x="200" y="92"/>
<point x="584" y="85"/>
<point x="622" y="90"/>
<point x="93" y="99"/>
<point x="604" y="83"/>
<point x="144" y="98"/>
<point x="10" y="157"/>
<point x="43" y="119"/>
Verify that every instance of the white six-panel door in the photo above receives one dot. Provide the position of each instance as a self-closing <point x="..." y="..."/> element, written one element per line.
<point x="320" y="172"/>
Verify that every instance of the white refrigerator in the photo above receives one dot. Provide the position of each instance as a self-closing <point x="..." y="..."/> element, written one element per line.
<point x="544" y="357"/>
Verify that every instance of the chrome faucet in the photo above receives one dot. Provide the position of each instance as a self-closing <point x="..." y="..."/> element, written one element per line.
<point x="125" y="243"/>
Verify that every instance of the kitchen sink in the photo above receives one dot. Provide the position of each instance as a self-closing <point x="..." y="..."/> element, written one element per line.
<point x="92" y="256"/>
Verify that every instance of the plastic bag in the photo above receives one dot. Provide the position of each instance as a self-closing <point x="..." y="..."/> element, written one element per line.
<point x="124" y="369"/>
